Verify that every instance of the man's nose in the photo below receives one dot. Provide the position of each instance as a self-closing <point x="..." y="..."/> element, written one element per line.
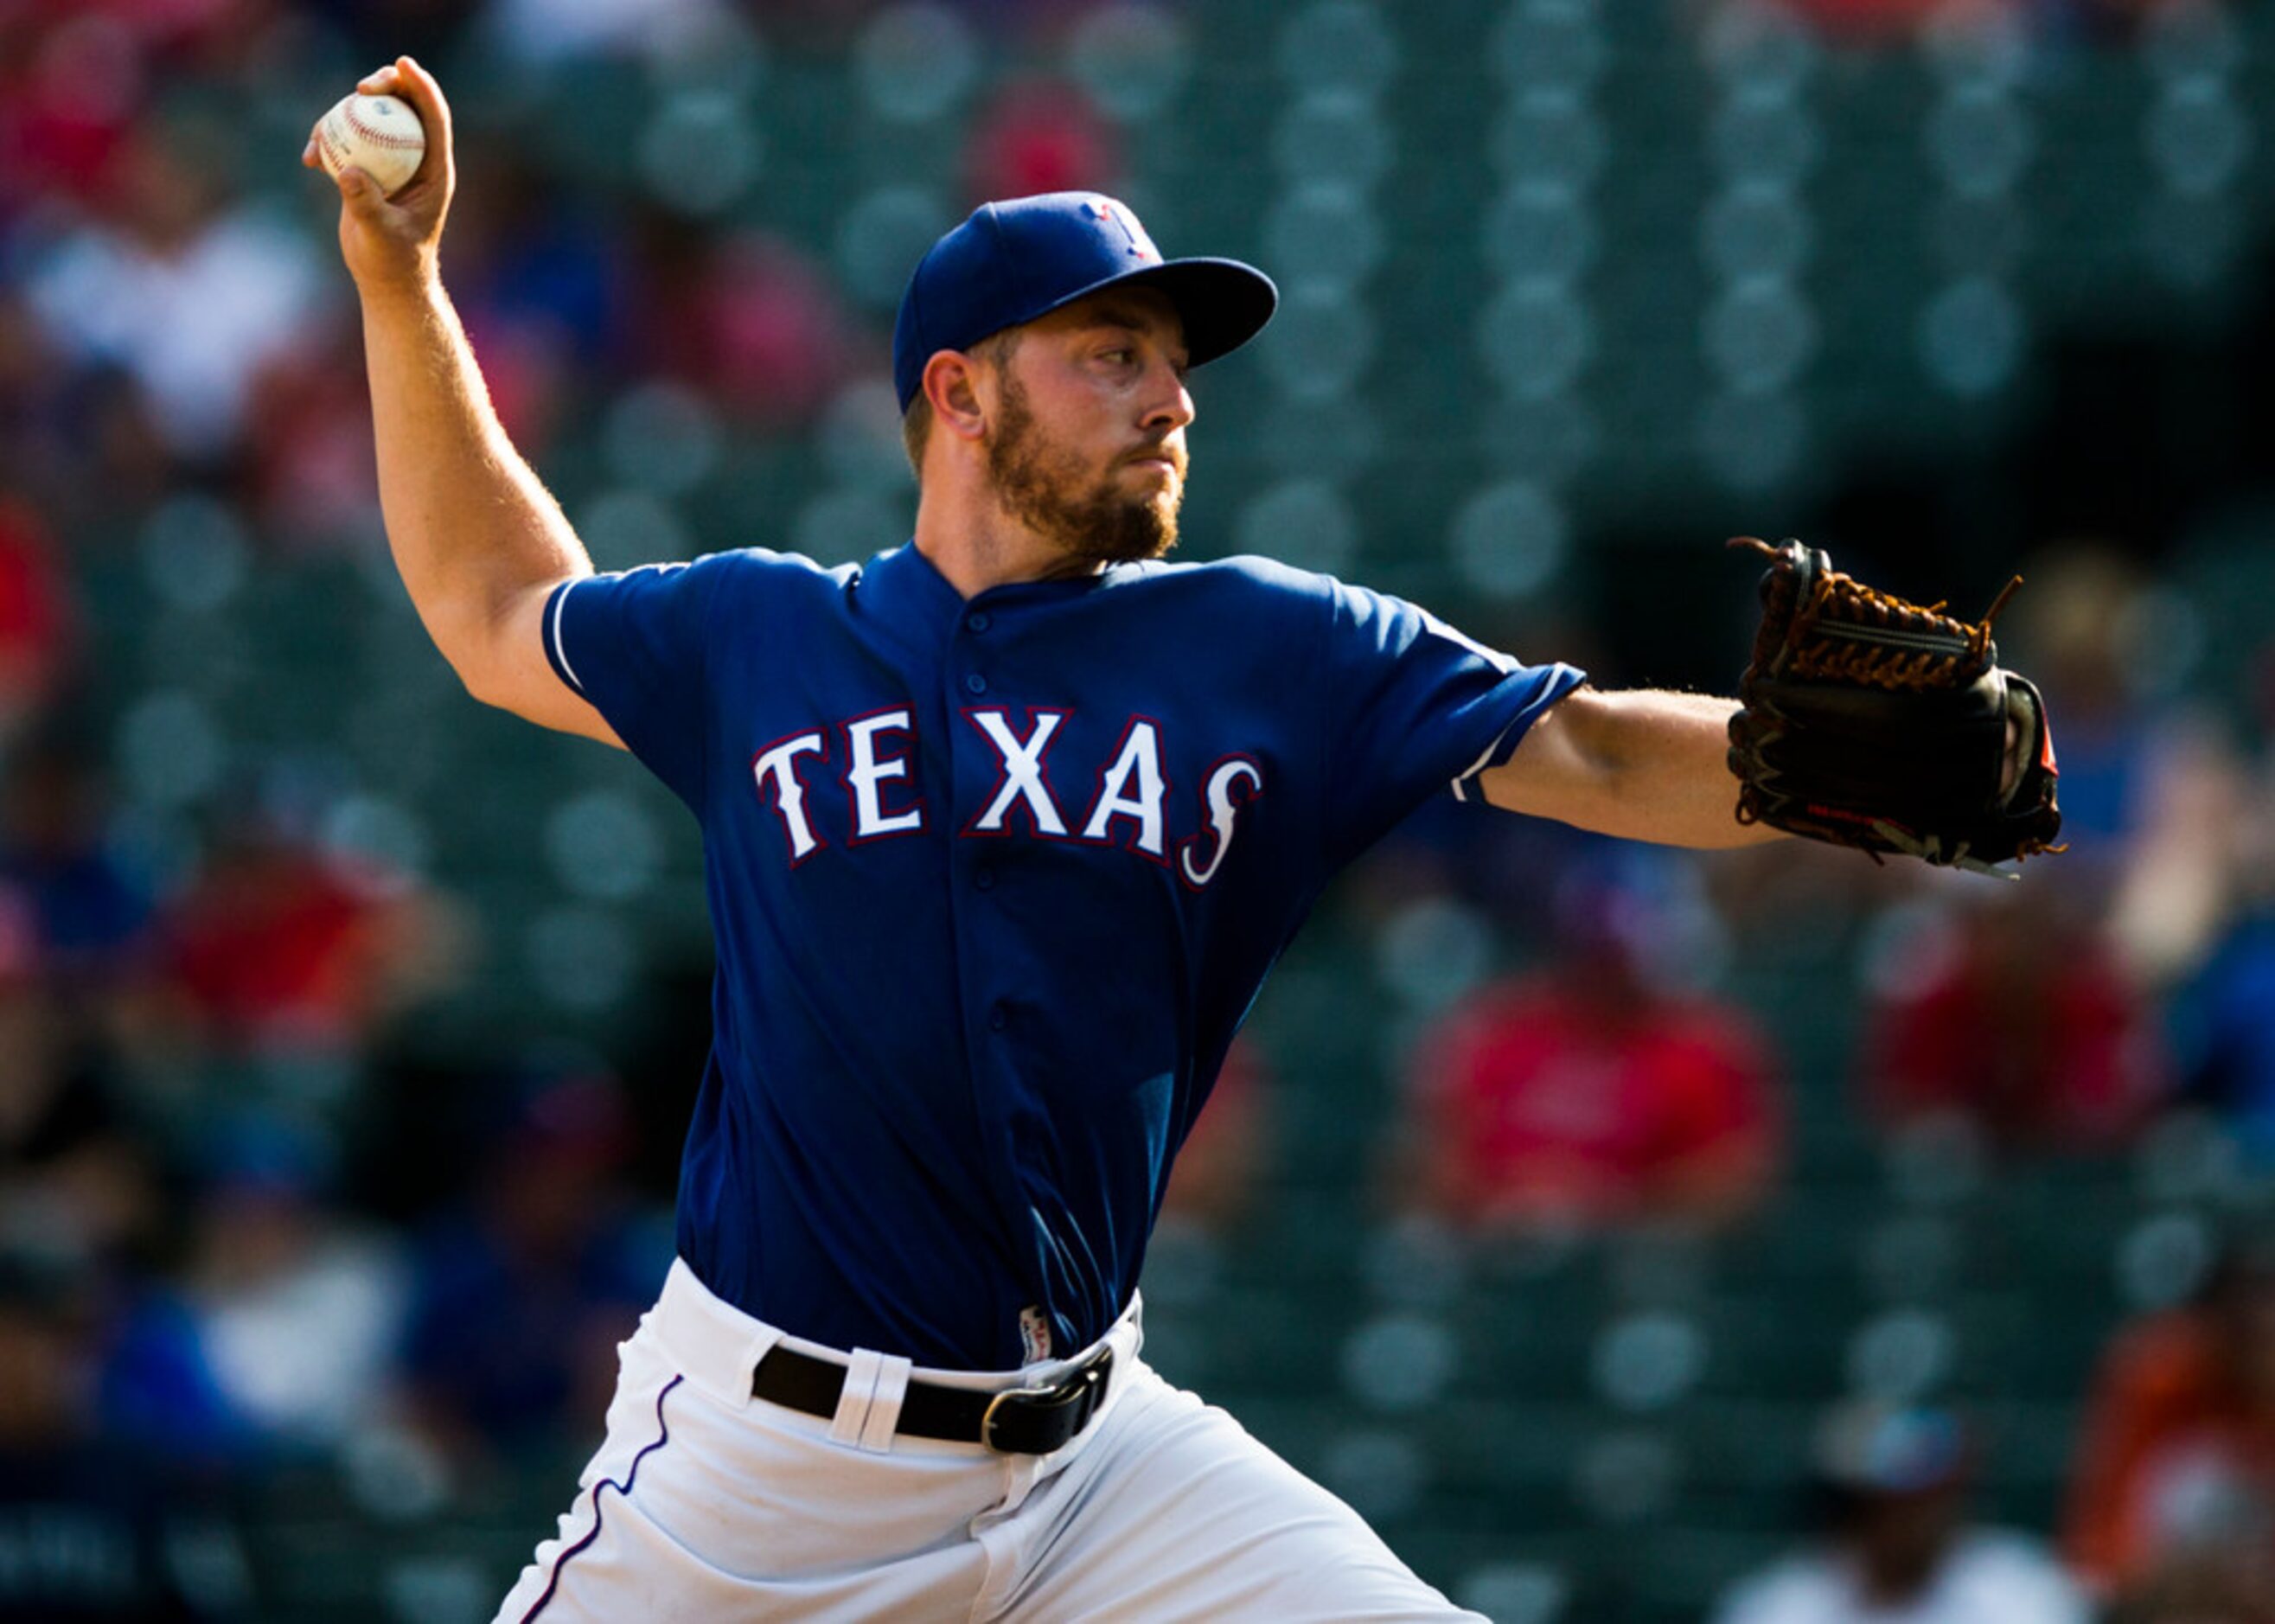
<point x="1172" y="406"/>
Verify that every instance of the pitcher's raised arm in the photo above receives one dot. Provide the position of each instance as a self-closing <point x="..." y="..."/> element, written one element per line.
<point x="479" y="541"/>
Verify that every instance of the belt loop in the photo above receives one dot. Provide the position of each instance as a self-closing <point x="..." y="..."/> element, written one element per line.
<point x="885" y="1404"/>
<point x="1134" y="1319"/>
<point x="737" y="1394"/>
<point x="861" y="1373"/>
<point x="714" y="1345"/>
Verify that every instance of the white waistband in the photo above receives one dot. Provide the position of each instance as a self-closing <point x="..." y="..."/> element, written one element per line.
<point x="717" y="1345"/>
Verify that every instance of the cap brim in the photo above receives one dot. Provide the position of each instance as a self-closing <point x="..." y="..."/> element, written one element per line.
<point x="1222" y="302"/>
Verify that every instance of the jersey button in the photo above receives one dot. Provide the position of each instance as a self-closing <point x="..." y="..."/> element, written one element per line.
<point x="997" y="1020"/>
<point x="985" y="878"/>
<point x="978" y="621"/>
<point x="975" y="683"/>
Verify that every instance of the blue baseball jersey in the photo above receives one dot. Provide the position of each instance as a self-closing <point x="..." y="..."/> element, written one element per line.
<point x="993" y="884"/>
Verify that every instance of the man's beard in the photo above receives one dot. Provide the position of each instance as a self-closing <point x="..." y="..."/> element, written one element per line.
<point x="1046" y="487"/>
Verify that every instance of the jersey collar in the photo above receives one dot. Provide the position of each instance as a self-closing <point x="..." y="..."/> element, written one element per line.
<point x="912" y="595"/>
<point x="901" y="586"/>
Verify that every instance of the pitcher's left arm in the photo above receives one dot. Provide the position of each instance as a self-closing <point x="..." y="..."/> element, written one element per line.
<point x="1641" y="764"/>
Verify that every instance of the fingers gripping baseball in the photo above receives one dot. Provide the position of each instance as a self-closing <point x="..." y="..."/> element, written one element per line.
<point x="392" y="241"/>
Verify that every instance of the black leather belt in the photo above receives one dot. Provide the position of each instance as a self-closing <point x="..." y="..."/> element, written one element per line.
<point x="1016" y="1421"/>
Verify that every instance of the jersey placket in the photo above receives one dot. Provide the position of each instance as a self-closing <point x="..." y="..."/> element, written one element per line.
<point x="972" y="677"/>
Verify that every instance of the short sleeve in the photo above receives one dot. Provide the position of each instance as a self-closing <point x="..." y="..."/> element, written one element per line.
<point x="1415" y="709"/>
<point x="632" y="644"/>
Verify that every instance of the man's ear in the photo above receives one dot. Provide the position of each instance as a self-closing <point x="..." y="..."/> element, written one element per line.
<point x="952" y="384"/>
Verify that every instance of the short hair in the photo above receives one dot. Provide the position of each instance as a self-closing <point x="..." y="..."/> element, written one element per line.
<point x="916" y="434"/>
<point x="916" y="422"/>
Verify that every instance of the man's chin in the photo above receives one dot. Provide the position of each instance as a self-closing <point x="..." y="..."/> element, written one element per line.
<point x="1129" y="548"/>
<point x="1123" y="534"/>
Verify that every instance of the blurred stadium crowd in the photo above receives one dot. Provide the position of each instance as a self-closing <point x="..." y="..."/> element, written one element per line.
<point x="1601" y="1222"/>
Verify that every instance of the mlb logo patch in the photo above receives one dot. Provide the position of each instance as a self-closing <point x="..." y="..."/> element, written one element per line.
<point x="1106" y="211"/>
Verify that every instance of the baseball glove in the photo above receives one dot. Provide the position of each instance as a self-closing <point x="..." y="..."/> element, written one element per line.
<point x="1872" y="722"/>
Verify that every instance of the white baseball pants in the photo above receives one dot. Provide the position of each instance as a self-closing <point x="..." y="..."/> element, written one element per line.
<point x="708" y="1506"/>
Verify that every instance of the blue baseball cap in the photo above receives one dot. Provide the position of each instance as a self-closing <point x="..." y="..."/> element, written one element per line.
<point x="1012" y="262"/>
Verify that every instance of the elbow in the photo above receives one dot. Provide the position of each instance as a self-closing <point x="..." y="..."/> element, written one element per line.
<point x="484" y="684"/>
<point x="476" y="687"/>
<point x="477" y="638"/>
<point x="479" y="677"/>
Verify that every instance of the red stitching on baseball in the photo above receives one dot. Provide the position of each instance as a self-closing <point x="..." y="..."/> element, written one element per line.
<point x="376" y="136"/>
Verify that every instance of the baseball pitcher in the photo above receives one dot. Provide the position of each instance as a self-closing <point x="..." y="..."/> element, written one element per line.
<point x="1003" y="830"/>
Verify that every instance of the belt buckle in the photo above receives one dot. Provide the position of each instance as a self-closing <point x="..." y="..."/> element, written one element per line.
<point x="1084" y="1377"/>
<point x="988" y="1416"/>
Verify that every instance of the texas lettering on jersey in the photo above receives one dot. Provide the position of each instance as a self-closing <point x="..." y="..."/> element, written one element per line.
<point x="872" y="764"/>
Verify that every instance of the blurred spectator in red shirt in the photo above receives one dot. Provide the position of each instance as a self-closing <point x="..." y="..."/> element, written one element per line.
<point x="1588" y="1094"/>
<point x="38" y="617"/>
<point x="279" y="944"/>
<point x="1040" y="137"/>
<point x="2174" y="1485"/>
<point x="69" y="92"/>
<point x="750" y="321"/>
<point x="2008" y="1011"/>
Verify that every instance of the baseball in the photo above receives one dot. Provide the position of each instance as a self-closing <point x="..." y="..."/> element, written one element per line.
<point x="379" y="135"/>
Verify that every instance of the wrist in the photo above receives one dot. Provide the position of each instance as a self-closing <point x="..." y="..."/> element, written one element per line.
<point x="414" y="290"/>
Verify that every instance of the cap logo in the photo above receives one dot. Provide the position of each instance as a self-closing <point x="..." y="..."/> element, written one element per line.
<point x="1107" y="212"/>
